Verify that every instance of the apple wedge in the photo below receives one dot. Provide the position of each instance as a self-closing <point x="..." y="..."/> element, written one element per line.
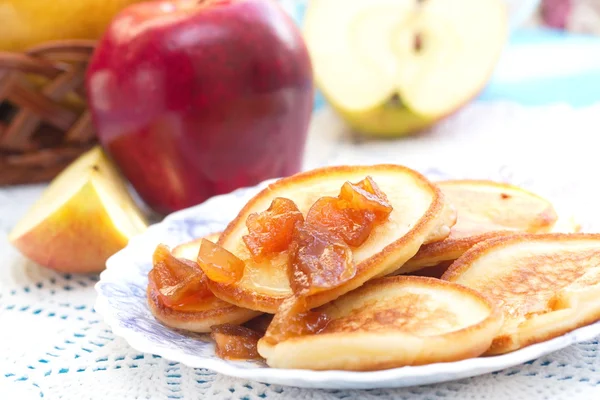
<point x="85" y="215"/>
<point x="392" y="67"/>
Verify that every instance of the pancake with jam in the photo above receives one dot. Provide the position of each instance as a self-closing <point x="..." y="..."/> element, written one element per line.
<point x="341" y="226"/>
<point x="389" y="322"/>
<point x="179" y="297"/>
<point x="546" y="285"/>
<point x="487" y="209"/>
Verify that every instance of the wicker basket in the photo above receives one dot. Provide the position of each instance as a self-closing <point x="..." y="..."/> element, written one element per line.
<point x="44" y="123"/>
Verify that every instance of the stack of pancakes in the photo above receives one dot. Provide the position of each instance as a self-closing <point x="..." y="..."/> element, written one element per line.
<point x="459" y="269"/>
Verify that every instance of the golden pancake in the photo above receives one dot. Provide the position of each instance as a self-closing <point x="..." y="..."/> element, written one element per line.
<point x="420" y="215"/>
<point x="392" y="322"/>
<point x="487" y="209"/>
<point x="545" y="285"/>
<point x="199" y="317"/>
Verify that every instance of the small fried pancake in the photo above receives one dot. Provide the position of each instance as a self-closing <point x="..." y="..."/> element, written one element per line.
<point x="420" y="215"/>
<point x="563" y="225"/>
<point x="485" y="209"/>
<point x="201" y="317"/>
<point x="545" y="285"/>
<point x="392" y="322"/>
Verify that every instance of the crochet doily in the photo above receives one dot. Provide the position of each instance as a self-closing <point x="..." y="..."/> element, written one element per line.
<point x="55" y="346"/>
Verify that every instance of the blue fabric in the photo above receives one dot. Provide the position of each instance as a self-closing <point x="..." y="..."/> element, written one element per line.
<point x="566" y="68"/>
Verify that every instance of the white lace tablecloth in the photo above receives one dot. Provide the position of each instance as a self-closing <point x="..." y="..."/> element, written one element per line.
<point x="53" y="345"/>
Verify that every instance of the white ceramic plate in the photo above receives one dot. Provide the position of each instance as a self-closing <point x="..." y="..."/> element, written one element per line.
<point x="122" y="302"/>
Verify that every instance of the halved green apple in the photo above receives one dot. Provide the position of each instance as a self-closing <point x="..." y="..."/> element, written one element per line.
<point x="84" y="216"/>
<point x="392" y="67"/>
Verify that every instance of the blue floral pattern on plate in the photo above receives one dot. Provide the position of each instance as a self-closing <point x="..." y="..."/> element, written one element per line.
<point x="122" y="302"/>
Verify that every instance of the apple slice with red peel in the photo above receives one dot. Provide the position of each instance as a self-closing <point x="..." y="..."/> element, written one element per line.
<point x="394" y="66"/>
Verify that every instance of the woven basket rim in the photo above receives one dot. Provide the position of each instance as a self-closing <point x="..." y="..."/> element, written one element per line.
<point x="40" y="131"/>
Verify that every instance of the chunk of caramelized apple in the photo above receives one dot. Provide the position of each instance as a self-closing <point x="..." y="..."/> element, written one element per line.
<point x="319" y="260"/>
<point x="178" y="282"/>
<point x="353" y="226"/>
<point x="271" y="231"/>
<point x="234" y="342"/>
<point x="259" y="324"/>
<point x="366" y="195"/>
<point x="218" y="264"/>
<point x="354" y="213"/>
<point x="293" y="318"/>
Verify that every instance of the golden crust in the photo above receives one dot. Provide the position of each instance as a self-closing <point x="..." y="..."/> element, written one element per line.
<point x="562" y="323"/>
<point x="436" y="217"/>
<point x="541" y="220"/>
<point x="547" y="285"/>
<point x="379" y="326"/>
<point x="433" y="254"/>
<point x="218" y="313"/>
<point x="464" y="262"/>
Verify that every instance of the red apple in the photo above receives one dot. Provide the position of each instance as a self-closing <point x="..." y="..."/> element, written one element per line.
<point x="197" y="98"/>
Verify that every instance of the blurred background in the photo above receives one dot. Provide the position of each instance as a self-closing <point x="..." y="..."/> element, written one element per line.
<point x="552" y="55"/>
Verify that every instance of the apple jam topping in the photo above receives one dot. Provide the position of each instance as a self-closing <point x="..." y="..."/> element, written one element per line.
<point x="319" y="256"/>
<point x="293" y="318"/>
<point x="353" y="226"/>
<point x="318" y="260"/>
<point x="270" y="231"/>
<point x="218" y="264"/>
<point x="353" y="213"/>
<point x="178" y="282"/>
<point x="239" y="342"/>
<point x="366" y="195"/>
<point x="234" y="342"/>
<point x="259" y="324"/>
